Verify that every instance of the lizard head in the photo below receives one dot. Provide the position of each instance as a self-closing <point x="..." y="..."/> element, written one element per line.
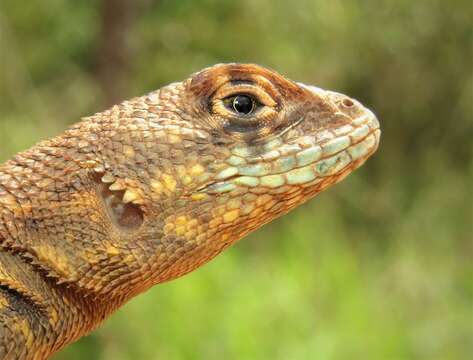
<point x="224" y="152"/>
<point x="277" y="143"/>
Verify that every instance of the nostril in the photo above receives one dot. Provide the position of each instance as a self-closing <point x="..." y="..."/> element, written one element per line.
<point x="348" y="102"/>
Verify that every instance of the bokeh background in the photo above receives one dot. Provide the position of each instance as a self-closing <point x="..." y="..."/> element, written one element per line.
<point x="378" y="267"/>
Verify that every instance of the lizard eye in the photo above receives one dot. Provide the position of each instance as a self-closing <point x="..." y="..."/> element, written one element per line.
<point x="241" y="104"/>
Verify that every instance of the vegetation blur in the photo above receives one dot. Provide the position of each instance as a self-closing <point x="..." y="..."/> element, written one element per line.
<point x="378" y="267"/>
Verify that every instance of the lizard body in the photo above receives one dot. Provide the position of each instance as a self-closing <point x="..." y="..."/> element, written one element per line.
<point x="156" y="186"/>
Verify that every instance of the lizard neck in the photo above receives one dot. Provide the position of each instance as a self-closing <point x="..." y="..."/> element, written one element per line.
<point x="39" y="264"/>
<point x="32" y="304"/>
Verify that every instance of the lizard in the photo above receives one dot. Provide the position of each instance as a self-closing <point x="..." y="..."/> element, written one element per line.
<point x="154" y="187"/>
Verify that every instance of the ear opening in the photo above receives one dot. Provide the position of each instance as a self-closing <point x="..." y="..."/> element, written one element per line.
<point x="126" y="216"/>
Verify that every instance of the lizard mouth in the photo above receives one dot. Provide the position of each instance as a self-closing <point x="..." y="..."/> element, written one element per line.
<point x="331" y="153"/>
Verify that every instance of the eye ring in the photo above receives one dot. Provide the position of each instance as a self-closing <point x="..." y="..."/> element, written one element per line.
<point x="241" y="104"/>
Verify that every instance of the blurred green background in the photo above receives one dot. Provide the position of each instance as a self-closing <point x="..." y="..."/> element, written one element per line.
<point x="379" y="267"/>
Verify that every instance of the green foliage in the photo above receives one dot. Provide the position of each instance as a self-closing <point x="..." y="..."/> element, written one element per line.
<point x="378" y="267"/>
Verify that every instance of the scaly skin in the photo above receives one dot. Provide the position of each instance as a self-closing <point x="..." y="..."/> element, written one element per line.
<point x="153" y="188"/>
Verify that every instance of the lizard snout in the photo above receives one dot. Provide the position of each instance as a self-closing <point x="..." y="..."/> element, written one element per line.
<point x="353" y="109"/>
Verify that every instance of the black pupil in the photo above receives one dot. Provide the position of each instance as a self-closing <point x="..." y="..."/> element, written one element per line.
<point x="243" y="104"/>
